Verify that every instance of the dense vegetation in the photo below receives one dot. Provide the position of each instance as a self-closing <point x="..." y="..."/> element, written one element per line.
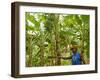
<point x="49" y="34"/>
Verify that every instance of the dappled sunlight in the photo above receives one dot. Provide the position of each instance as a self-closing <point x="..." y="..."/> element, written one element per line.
<point x="50" y="38"/>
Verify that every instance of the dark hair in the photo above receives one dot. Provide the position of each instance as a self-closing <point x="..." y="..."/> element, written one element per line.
<point x="74" y="48"/>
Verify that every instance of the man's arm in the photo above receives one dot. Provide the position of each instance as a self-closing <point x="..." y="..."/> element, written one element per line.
<point x="65" y="58"/>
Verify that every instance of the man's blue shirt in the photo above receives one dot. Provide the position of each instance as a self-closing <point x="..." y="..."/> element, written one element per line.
<point x="76" y="59"/>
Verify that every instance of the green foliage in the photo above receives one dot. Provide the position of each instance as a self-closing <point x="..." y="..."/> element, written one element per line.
<point x="49" y="34"/>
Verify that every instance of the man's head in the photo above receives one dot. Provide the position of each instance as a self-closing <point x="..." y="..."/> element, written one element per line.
<point x="74" y="49"/>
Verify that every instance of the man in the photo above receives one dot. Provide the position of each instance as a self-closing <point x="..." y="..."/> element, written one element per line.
<point x="76" y="57"/>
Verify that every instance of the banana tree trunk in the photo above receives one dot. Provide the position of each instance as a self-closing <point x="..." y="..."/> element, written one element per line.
<point x="57" y="46"/>
<point x="30" y="53"/>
